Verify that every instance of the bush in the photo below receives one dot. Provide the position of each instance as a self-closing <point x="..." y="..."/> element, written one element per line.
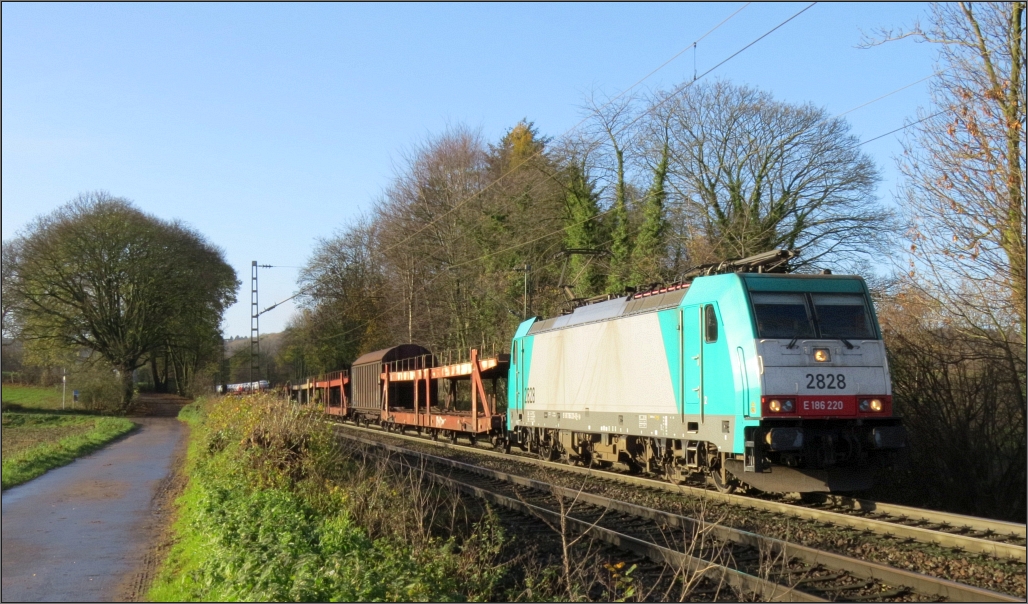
<point x="99" y="391"/>
<point x="962" y="398"/>
<point x="274" y="509"/>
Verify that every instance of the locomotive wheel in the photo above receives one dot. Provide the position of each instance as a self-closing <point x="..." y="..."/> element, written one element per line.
<point x="546" y="452"/>
<point x="725" y="484"/>
<point x="722" y="486"/>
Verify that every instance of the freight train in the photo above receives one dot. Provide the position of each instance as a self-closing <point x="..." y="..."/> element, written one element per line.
<point x="740" y="373"/>
<point x="243" y="388"/>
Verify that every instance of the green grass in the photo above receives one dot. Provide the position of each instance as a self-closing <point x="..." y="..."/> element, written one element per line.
<point x="23" y="431"/>
<point x="36" y="442"/>
<point x="35" y="397"/>
<point x="260" y="520"/>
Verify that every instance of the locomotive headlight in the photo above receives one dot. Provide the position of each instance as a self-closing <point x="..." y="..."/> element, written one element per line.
<point x="821" y="355"/>
<point x="787" y="406"/>
<point x="874" y="404"/>
<point x="775" y="405"/>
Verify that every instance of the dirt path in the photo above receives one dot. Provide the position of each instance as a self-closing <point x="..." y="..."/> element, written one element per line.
<point x="93" y="530"/>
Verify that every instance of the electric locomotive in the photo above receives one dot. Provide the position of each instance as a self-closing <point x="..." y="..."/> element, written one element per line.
<point x="772" y="379"/>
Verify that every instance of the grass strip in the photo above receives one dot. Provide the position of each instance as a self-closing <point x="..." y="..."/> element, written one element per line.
<point x="34" y="397"/>
<point x="26" y="465"/>
<point x="261" y="520"/>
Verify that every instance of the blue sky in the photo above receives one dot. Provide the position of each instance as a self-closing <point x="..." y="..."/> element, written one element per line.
<point x="266" y="126"/>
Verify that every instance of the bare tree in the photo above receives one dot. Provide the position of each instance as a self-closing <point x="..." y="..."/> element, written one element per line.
<point x="343" y="290"/>
<point x="612" y="127"/>
<point x="757" y="174"/>
<point x="956" y="333"/>
<point x="99" y="274"/>
<point x="964" y="164"/>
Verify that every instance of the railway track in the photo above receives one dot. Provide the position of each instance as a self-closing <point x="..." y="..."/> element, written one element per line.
<point x="1002" y="540"/>
<point x="767" y="568"/>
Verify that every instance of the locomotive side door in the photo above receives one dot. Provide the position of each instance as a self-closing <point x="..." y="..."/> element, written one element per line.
<point x="518" y="386"/>
<point x="692" y="361"/>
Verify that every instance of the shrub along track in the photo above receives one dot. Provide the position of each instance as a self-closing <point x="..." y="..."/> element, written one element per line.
<point x="821" y="529"/>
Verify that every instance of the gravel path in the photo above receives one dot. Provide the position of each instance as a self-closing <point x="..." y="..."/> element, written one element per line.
<point x="81" y="532"/>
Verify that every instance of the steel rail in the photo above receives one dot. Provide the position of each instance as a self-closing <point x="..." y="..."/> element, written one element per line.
<point x="966" y="543"/>
<point x="766" y="590"/>
<point x="922" y="584"/>
<point x="982" y="525"/>
<point x="743" y="582"/>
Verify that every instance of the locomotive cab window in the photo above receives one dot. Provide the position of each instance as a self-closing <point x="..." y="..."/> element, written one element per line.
<point x="710" y="324"/>
<point x="842" y="316"/>
<point x="782" y="316"/>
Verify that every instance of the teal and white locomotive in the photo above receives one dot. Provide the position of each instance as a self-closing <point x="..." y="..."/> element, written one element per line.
<point x="775" y="380"/>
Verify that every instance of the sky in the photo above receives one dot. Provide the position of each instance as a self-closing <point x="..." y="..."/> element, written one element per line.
<point x="268" y="126"/>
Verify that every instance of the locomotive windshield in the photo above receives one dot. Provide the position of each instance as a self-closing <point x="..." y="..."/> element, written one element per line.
<point x="782" y="316"/>
<point x="794" y="315"/>
<point x="842" y="316"/>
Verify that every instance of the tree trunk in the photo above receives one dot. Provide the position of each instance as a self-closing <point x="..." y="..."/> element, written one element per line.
<point x="126" y="388"/>
<point x="158" y="384"/>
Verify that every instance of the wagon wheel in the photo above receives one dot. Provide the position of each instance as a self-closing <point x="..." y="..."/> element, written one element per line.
<point x="435" y="434"/>
<point x="473" y="439"/>
<point x="453" y="437"/>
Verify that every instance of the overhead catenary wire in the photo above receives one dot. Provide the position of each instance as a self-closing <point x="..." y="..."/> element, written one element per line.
<point x="622" y="93"/>
<point x="675" y="92"/>
<point x="888" y="94"/>
<point x="580" y="123"/>
<point x="537" y="153"/>
<point x="695" y="79"/>
<point x="924" y="119"/>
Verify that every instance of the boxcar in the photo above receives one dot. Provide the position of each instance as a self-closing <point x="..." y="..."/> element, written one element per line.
<point x="366" y="384"/>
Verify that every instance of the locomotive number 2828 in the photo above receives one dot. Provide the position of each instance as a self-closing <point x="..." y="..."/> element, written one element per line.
<point x="826" y="381"/>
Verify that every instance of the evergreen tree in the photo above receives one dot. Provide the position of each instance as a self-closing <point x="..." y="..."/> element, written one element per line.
<point x="649" y="252"/>
<point x="583" y="231"/>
